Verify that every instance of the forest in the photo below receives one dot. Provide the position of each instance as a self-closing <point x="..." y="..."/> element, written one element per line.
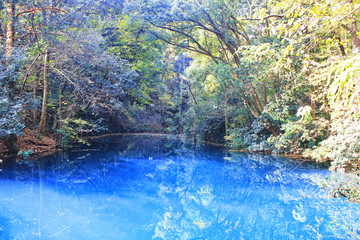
<point x="274" y="76"/>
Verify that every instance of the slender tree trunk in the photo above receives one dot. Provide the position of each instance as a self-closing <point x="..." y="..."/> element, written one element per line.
<point x="36" y="84"/>
<point x="9" y="45"/>
<point x="226" y="114"/>
<point x="258" y="105"/>
<point x="264" y="94"/>
<point x="10" y="140"/>
<point x="196" y="115"/>
<point x="252" y="111"/>
<point x="42" y="125"/>
<point x="353" y="30"/>
<point x="195" y="119"/>
<point x="162" y="113"/>
<point x="341" y="47"/>
<point x="180" y="107"/>
<point x="59" y="112"/>
<point x="355" y="37"/>
<point x="46" y="91"/>
<point x="1" y="34"/>
<point x="274" y="131"/>
<point x="10" y="9"/>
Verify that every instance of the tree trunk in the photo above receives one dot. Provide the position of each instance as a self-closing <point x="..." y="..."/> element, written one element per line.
<point x="162" y="113"/>
<point x="264" y="94"/>
<point x="196" y="124"/>
<point x="62" y="88"/>
<point x="257" y="103"/>
<point x="252" y="111"/>
<point x="10" y="143"/>
<point x="353" y="30"/>
<point x="354" y="35"/>
<point x="274" y="131"/>
<point x="10" y="140"/>
<point x="46" y="92"/>
<point x="1" y="34"/>
<point x="226" y="114"/>
<point x="35" y="86"/>
<point x="341" y="47"/>
<point x="9" y="45"/>
<point x="10" y="9"/>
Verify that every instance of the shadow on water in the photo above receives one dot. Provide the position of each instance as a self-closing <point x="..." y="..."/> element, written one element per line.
<point x="156" y="187"/>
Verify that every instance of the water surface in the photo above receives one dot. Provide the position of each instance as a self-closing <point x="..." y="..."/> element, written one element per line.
<point x="156" y="187"/>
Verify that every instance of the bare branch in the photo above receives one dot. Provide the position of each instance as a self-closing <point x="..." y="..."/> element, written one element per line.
<point x="27" y="73"/>
<point x="266" y="17"/>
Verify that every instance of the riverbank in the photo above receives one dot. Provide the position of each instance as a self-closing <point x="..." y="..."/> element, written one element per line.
<point x="31" y="140"/>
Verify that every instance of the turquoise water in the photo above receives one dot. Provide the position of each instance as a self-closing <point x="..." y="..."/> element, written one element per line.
<point x="153" y="187"/>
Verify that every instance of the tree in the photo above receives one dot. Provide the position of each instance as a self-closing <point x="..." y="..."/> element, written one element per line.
<point x="214" y="29"/>
<point x="9" y="80"/>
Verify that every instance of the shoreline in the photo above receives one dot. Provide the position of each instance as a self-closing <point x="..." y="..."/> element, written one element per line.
<point x="43" y="149"/>
<point x="46" y="150"/>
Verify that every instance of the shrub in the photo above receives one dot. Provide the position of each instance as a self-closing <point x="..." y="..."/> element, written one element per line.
<point x="342" y="146"/>
<point x="302" y="132"/>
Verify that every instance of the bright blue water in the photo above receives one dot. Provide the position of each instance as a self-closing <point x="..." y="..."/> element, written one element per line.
<point x="148" y="187"/>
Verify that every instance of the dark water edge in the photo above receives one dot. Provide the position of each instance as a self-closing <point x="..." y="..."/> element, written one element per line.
<point x="110" y="141"/>
<point x="157" y="187"/>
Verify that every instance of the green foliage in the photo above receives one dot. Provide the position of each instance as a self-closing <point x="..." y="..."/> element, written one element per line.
<point x="72" y="129"/>
<point x="337" y="79"/>
<point x="11" y="106"/>
<point x="301" y="132"/>
<point x="10" y="118"/>
<point x="344" y="88"/>
<point x="26" y="154"/>
<point x="131" y="43"/>
<point x="342" y="146"/>
<point x="253" y="138"/>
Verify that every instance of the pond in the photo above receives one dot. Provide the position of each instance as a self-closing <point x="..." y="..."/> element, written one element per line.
<point x="157" y="187"/>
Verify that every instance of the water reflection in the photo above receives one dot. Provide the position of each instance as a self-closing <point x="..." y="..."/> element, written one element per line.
<point x="151" y="187"/>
